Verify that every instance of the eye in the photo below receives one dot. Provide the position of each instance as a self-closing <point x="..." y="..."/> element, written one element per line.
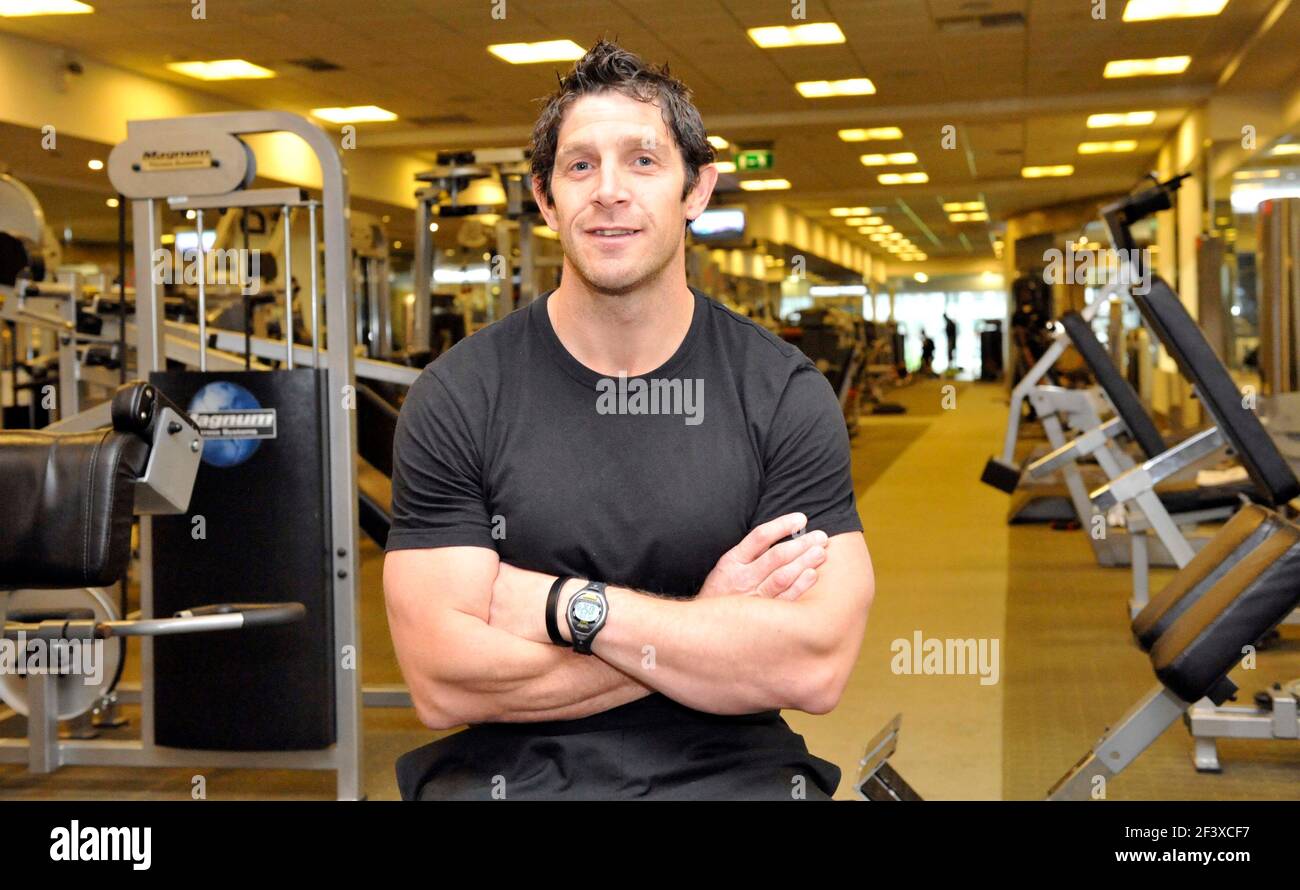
<point x="647" y="159"/>
<point x="579" y="165"/>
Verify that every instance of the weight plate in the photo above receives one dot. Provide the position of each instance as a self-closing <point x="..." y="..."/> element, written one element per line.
<point x="77" y="693"/>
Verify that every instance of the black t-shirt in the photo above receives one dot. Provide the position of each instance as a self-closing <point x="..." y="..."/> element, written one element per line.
<point x="506" y="441"/>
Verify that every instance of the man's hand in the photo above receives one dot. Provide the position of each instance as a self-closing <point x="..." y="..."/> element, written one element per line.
<point x="758" y="566"/>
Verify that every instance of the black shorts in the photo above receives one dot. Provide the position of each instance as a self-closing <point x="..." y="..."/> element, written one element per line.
<point x="656" y="750"/>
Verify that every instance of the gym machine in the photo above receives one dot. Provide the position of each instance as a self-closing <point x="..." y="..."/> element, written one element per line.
<point x="877" y="778"/>
<point x="1001" y="471"/>
<point x="1165" y="514"/>
<point x="1275" y="486"/>
<point x="59" y="330"/>
<point x="199" y="165"/>
<point x="84" y="486"/>
<point x="78" y="326"/>
<point x="276" y="252"/>
<point x="370" y="275"/>
<point x="289" y="434"/>
<point x="1271" y="482"/>
<point x="1081" y="410"/>
<point x="1237" y="589"/>
<point x="460" y="179"/>
<point x="38" y="323"/>
<point x="1062" y="410"/>
<point x="294" y="701"/>
<point x="836" y="343"/>
<point x="1234" y="591"/>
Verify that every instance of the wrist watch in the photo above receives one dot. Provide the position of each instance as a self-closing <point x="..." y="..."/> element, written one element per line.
<point x="587" y="612"/>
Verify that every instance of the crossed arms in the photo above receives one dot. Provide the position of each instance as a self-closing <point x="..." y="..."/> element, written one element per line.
<point x="777" y="624"/>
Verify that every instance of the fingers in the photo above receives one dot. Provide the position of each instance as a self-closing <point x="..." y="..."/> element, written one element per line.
<point x="785" y="552"/>
<point x="792" y="573"/>
<point x="758" y="541"/>
<point x="807" y="578"/>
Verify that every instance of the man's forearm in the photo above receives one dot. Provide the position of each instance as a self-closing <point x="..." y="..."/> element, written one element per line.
<point x="732" y="655"/>
<point x="604" y="693"/>
<point x="494" y="677"/>
<point x="571" y="688"/>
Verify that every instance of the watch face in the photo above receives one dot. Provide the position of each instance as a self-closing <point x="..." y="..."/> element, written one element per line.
<point x="587" y="611"/>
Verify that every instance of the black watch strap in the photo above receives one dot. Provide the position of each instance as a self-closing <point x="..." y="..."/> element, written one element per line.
<point x="552" y="622"/>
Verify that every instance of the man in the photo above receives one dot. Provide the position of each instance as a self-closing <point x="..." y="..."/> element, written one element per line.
<point x="950" y="333"/>
<point x="927" y="355"/>
<point x="624" y="533"/>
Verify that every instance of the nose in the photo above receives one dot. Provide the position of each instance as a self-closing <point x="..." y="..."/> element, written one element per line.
<point x="611" y="190"/>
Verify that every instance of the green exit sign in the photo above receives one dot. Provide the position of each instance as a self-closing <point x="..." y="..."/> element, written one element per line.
<point x="754" y="159"/>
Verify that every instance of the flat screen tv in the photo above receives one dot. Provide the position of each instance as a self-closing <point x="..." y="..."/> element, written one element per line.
<point x="720" y="224"/>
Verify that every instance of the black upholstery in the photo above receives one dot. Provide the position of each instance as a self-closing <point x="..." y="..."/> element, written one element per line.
<point x="1242" y="534"/>
<point x="1183" y="339"/>
<point x="375" y="521"/>
<point x="13" y="259"/>
<point x="1194" y="655"/>
<point x="1118" y="390"/>
<point x="137" y="405"/>
<point x="376" y="428"/>
<point x="68" y="499"/>
<point x="1206" y="497"/>
<point x="36" y="616"/>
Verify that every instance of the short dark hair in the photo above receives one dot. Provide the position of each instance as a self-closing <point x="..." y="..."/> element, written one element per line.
<point x="607" y="66"/>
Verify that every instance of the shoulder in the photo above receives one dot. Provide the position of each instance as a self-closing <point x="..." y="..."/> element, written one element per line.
<point x="746" y="332"/>
<point x="474" y="365"/>
<point x="755" y="355"/>
<point x="771" y="375"/>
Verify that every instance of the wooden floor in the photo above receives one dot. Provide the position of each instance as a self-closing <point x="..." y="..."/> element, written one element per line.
<point x="947" y="566"/>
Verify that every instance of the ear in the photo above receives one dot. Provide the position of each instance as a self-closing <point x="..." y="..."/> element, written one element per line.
<point x="543" y="206"/>
<point x="698" y="198"/>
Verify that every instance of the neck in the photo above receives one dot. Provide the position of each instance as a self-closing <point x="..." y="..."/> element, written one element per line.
<point x="631" y="333"/>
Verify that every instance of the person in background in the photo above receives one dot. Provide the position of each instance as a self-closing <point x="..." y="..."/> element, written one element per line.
<point x="927" y="355"/>
<point x="950" y="331"/>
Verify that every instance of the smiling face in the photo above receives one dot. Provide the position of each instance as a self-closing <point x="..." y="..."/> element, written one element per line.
<point x="617" y="194"/>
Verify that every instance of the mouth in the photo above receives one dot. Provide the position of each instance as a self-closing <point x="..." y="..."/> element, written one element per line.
<point x="612" y="234"/>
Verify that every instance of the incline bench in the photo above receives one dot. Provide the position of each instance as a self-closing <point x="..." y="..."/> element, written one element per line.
<point x="1243" y="584"/>
<point x="1162" y="512"/>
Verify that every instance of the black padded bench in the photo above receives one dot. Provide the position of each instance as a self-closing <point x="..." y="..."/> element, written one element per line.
<point x="1118" y="390"/>
<point x="1241" y="586"/>
<point x="1197" y="629"/>
<point x="1128" y="406"/>
<point x="1163" y="311"/>
<point x="69" y="497"/>
<point x="1167" y="511"/>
